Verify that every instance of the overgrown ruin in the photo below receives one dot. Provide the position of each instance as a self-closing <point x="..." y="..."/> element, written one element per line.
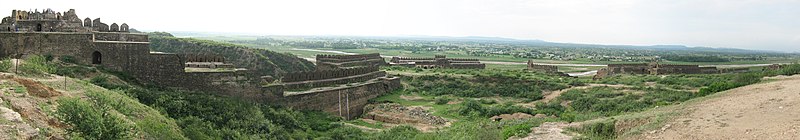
<point x="655" y="68"/>
<point x="341" y="90"/>
<point x="544" y="68"/>
<point x="439" y="61"/>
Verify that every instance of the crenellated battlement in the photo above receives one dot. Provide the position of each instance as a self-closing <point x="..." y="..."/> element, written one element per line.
<point x="439" y="61"/>
<point x="51" y="21"/>
<point x="326" y="74"/>
<point x="328" y="62"/>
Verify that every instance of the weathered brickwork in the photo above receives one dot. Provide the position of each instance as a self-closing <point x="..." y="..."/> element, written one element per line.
<point x="347" y="102"/>
<point x="329" y="62"/>
<point x="439" y="61"/>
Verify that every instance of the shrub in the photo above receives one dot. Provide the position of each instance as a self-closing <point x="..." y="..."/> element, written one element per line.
<point x="602" y="130"/>
<point x="471" y="108"/>
<point x="519" y="130"/>
<point x="442" y="100"/>
<point x="36" y="65"/>
<point x="89" y="121"/>
<point x="5" y="64"/>
<point x="68" y="59"/>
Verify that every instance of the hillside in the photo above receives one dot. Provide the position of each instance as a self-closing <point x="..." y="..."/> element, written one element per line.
<point x="99" y="104"/>
<point x="761" y="111"/>
<point x="45" y="106"/>
<point x="264" y="62"/>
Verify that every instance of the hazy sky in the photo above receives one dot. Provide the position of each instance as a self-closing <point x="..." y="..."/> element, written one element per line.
<point x="751" y="24"/>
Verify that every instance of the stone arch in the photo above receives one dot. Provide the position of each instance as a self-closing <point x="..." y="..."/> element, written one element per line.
<point x="124" y="27"/>
<point x="39" y="27"/>
<point x="87" y="22"/>
<point x="114" y="27"/>
<point x="97" y="57"/>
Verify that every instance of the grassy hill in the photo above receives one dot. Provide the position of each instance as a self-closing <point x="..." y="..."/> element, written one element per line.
<point x="52" y="106"/>
<point x="98" y="104"/>
<point x="264" y="62"/>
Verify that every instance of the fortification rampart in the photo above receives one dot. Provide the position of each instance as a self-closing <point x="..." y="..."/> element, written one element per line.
<point x="118" y="36"/>
<point x="356" y="56"/>
<point x="542" y="68"/>
<point x="110" y="47"/>
<point x="347" y="101"/>
<point x="328" y="74"/>
<point x="439" y="61"/>
<point x="653" y="69"/>
<point x="330" y="62"/>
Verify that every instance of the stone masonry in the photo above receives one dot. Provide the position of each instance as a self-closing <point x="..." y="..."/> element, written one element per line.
<point x="439" y="61"/>
<point x="653" y="68"/>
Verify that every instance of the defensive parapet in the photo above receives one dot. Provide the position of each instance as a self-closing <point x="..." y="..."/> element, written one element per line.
<point x="439" y="61"/>
<point x="653" y="69"/>
<point x="326" y="74"/>
<point x="328" y="62"/>
<point x="542" y="68"/>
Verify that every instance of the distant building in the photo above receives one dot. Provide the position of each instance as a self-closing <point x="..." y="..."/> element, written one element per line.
<point x="329" y="62"/>
<point x="544" y="68"/>
<point x="439" y="61"/>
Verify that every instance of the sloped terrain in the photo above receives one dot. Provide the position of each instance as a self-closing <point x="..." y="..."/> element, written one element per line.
<point x="264" y="62"/>
<point x="760" y="111"/>
<point x="30" y="109"/>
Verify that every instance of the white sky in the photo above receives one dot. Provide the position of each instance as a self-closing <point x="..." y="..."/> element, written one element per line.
<point x="750" y="24"/>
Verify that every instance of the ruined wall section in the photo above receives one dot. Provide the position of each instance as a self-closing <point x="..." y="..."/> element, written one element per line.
<point x="542" y="68"/>
<point x="304" y="80"/>
<point x="168" y="70"/>
<point x="329" y="74"/>
<point x="329" y="62"/>
<point x="118" y="36"/>
<point x="347" y="102"/>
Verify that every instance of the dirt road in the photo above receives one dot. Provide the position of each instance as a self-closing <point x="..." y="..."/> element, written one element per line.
<point x="761" y="111"/>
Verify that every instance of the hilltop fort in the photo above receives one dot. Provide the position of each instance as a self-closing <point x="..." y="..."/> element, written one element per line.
<point x="342" y="89"/>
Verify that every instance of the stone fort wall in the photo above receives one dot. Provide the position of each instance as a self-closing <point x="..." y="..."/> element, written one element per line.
<point x="160" y="69"/>
<point x="120" y="36"/>
<point x="654" y="69"/>
<point x="542" y="68"/>
<point x="329" y="62"/>
<point x="347" y="102"/>
<point x="128" y="54"/>
<point x="326" y="74"/>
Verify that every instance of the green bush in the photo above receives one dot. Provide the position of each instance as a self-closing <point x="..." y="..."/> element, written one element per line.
<point x="471" y="108"/>
<point x="519" y="130"/>
<point x="36" y="65"/>
<point x="67" y="59"/>
<point x="599" y="131"/>
<point x="5" y="64"/>
<point x="89" y="121"/>
<point x="442" y="100"/>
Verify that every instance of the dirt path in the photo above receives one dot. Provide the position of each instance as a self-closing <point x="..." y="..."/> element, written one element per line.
<point x="761" y="111"/>
<point x="549" y="131"/>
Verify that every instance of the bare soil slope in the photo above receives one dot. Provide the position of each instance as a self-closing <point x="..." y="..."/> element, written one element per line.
<point x="762" y="111"/>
